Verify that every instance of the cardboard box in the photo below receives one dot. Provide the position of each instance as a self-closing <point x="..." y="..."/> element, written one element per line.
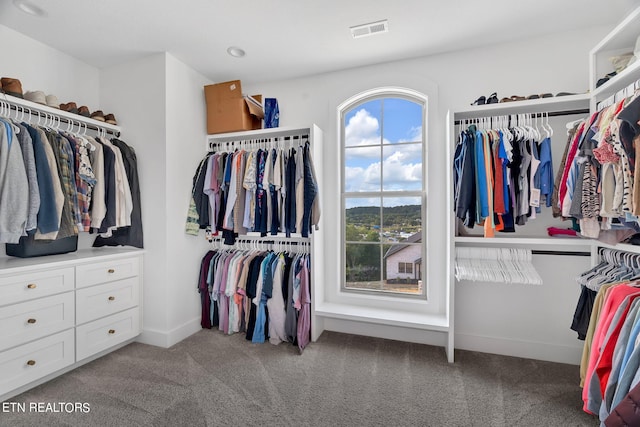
<point x="228" y="110"/>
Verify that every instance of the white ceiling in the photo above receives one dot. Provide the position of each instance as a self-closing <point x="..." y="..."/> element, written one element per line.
<point x="292" y="38"/>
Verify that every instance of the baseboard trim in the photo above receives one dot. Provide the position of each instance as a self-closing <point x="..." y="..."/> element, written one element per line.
<point x="166" y="339"/>
<point x="519" y="348"/>
<point x="184" y="331"/>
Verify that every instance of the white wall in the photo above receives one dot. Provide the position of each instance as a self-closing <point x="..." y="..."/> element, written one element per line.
<point x="185" y="147"/>
<point x="554" y="63"/>
<point x="136" y="90"/>
<point x="40" y="67"/>
<point x="163" y="117"/>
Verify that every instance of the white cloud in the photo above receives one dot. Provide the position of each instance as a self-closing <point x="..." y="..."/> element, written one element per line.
<point x="414" y="135"/>
<point x="362" y="129"/>
<point x="402" y="165"/>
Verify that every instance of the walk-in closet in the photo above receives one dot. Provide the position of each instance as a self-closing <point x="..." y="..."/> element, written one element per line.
<point x="319" y="214"/>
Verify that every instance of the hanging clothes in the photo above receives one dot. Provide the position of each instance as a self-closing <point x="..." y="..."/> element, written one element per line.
<point x="58" y="183"/>
<point x="597" y="183"/>
<point x="502" y="175"/>
<point x="611" y="356"/>
<point x="255" y="189"/>
<point x="264" y="294"/>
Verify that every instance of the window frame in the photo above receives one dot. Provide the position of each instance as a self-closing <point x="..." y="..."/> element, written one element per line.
<point x="343" y="109"/>
<point x="402" y="267"/>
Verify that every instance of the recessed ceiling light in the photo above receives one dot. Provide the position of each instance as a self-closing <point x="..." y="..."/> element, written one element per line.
<point x="236" y="52"/>
<point x="370" y="29"/>
<point x="29" y="8"/>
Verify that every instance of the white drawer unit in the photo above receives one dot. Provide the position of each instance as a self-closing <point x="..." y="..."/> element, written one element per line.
<point x="106" y="332"/>
<point x="103" y="300"/>
<point x="29" y="362"/>
<point x="108" y="271"/>
<point x="37" y="284"/>
<point x="20" y="323"/>
<point x="59" y="312"/>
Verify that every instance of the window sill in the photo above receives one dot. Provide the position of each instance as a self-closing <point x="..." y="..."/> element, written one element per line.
<point x="425" y="321"/>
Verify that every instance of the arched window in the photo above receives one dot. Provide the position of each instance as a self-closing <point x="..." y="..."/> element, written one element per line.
<point x="383" y="192"/>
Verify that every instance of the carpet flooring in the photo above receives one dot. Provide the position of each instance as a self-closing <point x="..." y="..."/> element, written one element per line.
<point x="342" y="380"/>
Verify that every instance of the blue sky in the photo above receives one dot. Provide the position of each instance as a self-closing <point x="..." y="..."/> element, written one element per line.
<point x="402" y="164"/>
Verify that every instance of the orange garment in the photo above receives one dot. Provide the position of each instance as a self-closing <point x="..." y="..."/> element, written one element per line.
<point x="489" y="226"/>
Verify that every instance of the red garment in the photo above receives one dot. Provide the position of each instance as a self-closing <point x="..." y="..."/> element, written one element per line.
<point x="605" y="363"/>
<point x="614" y="298"/>
<point x="498" y="183"/>
<point x="555" y="231"/>
<point x="567" y="166"/>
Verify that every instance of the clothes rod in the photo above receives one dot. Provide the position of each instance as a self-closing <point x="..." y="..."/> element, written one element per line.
<point x="213" y="142"/>
<point x="564" y="253"/>
<point x="549" y="114"/>
<point x="60" y="119"/>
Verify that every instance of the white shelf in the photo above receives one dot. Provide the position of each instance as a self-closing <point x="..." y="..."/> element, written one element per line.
<point x="620" y="246"/>
<point x="620" y="40"/>
<point x="34" y="106"/>
<point x="620" y="81"/>
<point x="257" y="134"/>
<point x="16" y="264"/>
<point x="425" y="321"/>
<point x="528" y="241"/>
<point x="541" y="105"/>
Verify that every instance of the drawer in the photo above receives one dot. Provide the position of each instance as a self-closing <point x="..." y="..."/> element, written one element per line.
<point x="20" y="323"/>
<point x="106" y="271"/>
<point x="27" y="286"/>
<point x="101" y="334"/>
<point x="29" y="362"/>
<point x="102" y="300"/>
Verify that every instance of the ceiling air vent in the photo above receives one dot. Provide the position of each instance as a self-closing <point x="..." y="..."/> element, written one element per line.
<point x="370" y="29"/>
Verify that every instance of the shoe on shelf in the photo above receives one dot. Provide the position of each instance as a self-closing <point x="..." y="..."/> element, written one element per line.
<point x="35" y="96"/>
<point x="565" y="94"/>
<point x="12" y="87"/>
<point x="480" y="101"/>
<point x="493" y="98"/>
<point x="52" y="101"/>
<point x="98" y="115"/>
<point x="84" y="111"/>
<point x="70" y="107"/>
<point x="111" y="119"/>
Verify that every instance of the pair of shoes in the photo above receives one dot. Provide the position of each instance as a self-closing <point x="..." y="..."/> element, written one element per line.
<point x="606" y="78"/>
<point x="39" y="97"/>
<point x="111" y="119"/>
<point x="84" y="111"/>
<point x="542" y="95"/>
<point x="70" y="107"/>
<point x="100" y="116"/>
<point x="11" y="86"/>
<point x="513" y="98"/>
<point x="492" y="99"/>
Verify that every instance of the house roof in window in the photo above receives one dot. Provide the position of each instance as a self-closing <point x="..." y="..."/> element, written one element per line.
<point x="414" y="238"/>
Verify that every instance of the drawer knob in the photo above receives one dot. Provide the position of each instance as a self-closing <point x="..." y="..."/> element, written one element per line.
<point x="31" y="362"/>
<point x="111" y="270"/>
<point x="112" y="331"/>
<point x="112" y="298"/>
<point x="31" y="286"/>
<point x="32" y="321"/>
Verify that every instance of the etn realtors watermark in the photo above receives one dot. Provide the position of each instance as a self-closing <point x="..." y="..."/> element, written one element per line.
<point x="46" y="407"/>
